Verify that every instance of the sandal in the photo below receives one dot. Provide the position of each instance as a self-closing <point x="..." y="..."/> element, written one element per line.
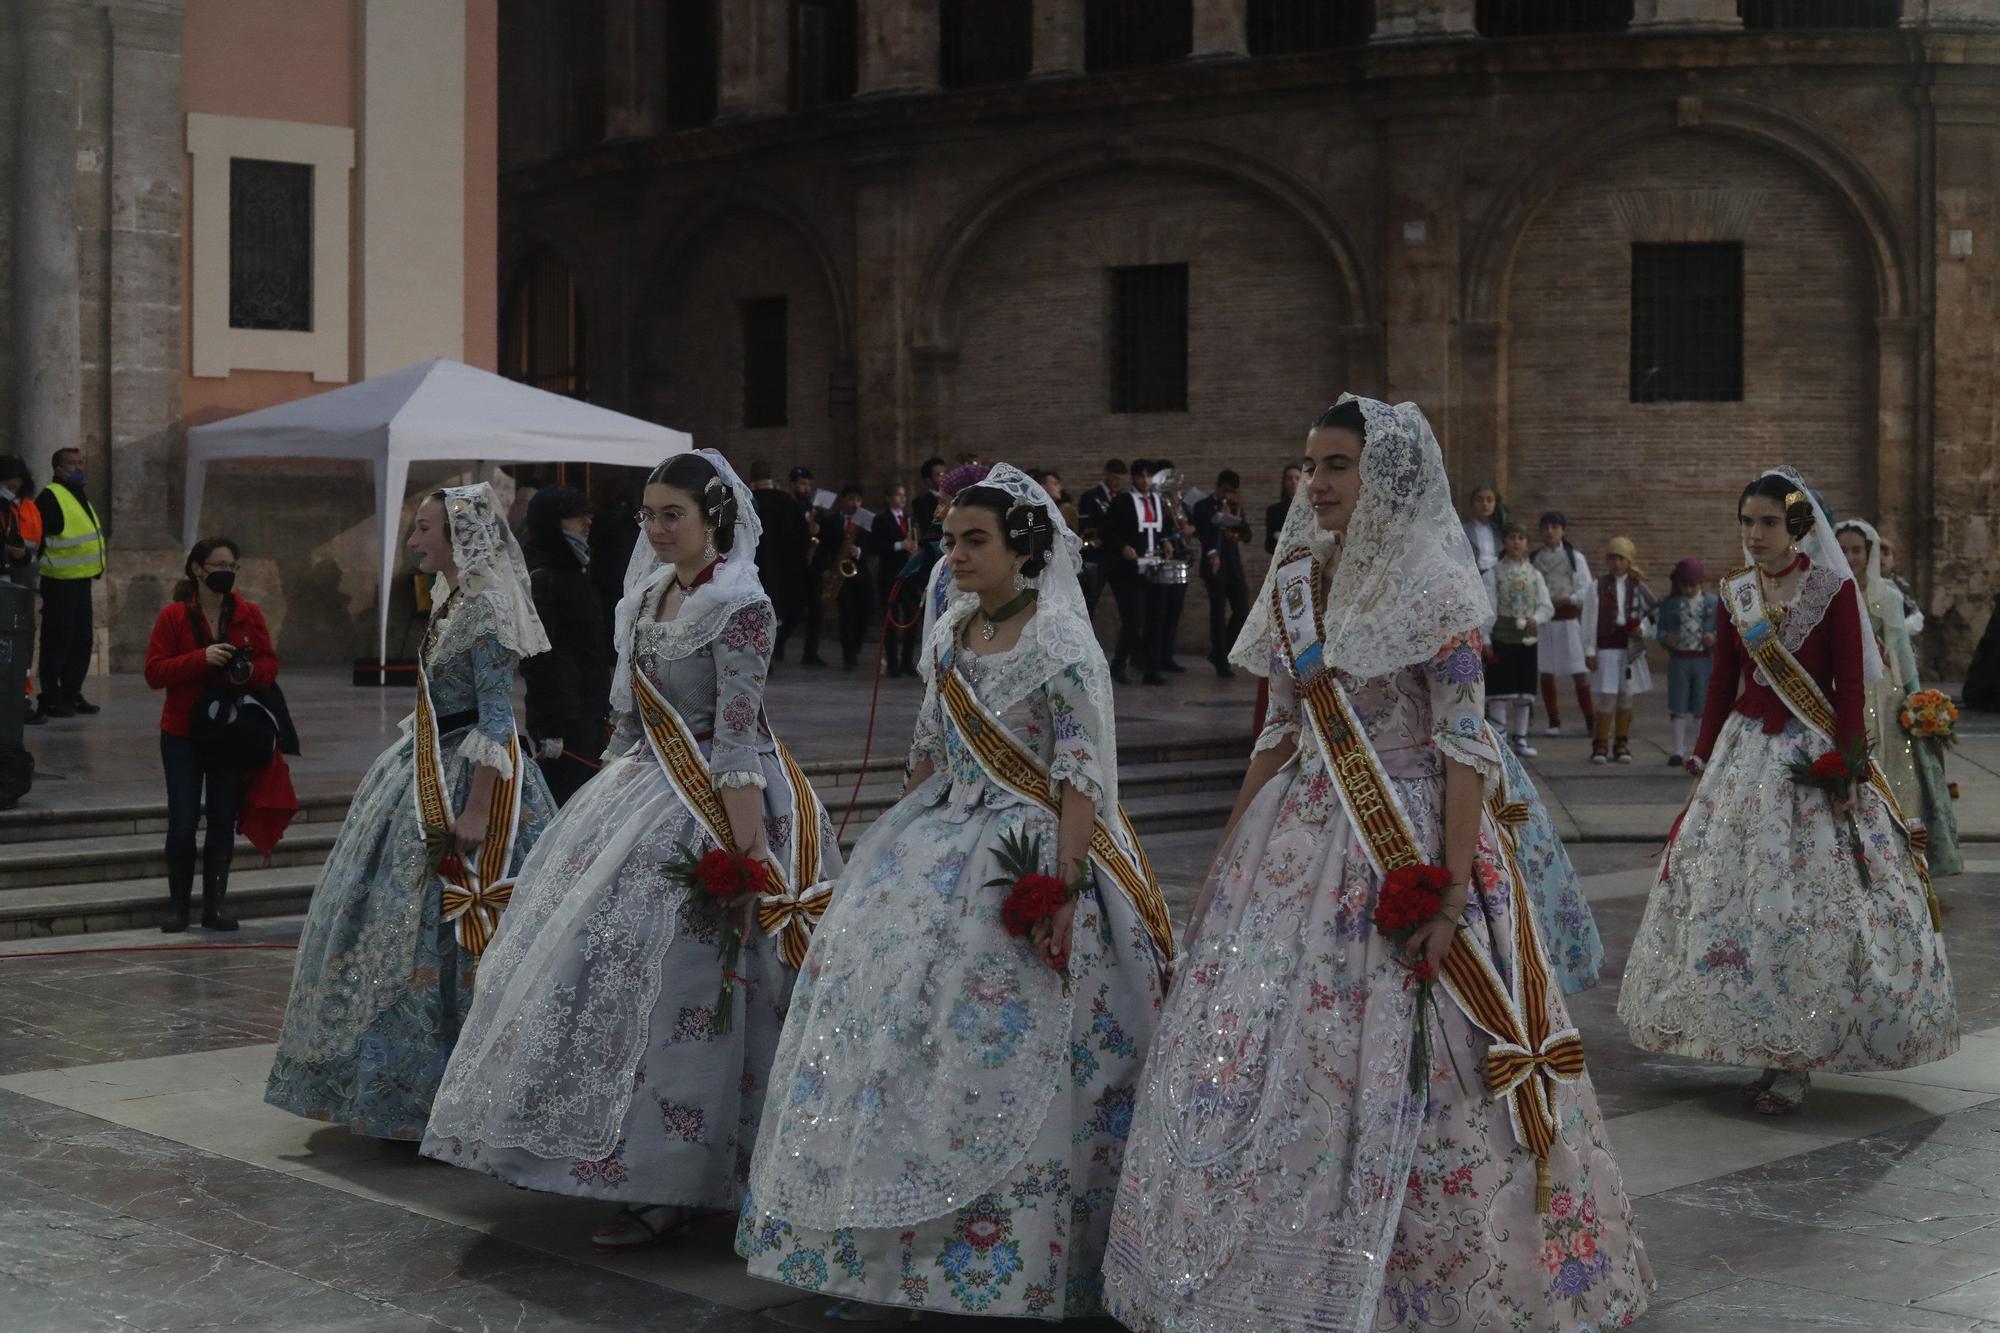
<point x="633" y="1227"/>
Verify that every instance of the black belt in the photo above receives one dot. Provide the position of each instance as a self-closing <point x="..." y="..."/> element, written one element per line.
<point x="455" y="721"/>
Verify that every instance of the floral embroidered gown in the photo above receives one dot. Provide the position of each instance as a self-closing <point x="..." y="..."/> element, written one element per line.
<point x="1761" y="946"/>
<point x="1275" y="1136"/>
<point x="381" y="986"/>
<point x="589" y="1064"/>
<point x="935" y="1073"/>
<point x="1569" y="929"/>
<point x="1914" y="768"/>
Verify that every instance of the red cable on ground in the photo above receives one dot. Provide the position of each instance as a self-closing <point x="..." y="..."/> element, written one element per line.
<point x="142" y="948"/>
<point x="874" y="696"/>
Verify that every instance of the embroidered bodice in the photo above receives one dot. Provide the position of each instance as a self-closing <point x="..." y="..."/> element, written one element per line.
<point x="1821" y="626"/>
<point x="716" y="686"/>
<point x="1684" y="620"/>
<point x="1416" y="718"/>
<point x="469" y="671"/>
<point x="1051" y="716"/>
<point x="1565" y="571"/>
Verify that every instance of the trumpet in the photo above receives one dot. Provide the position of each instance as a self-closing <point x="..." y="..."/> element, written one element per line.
<point x="1091" y="539"/>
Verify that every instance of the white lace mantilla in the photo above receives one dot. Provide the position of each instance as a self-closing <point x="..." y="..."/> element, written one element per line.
<point x="1808" y="607"/>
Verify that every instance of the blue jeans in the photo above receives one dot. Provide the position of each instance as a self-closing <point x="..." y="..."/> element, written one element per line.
<point x="188" y="771"/>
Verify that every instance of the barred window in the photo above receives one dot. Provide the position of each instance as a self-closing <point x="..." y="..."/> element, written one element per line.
<point x="1130" y="34"/>
<point x="1296" y="27"/>
<point x="826" y="52"/>
<point x="765" y="372"/>
<point x="270" y="245"/>
<point x="984" y="42"/>
<point x="1687" y="323"/>
<point x="1149" y="338"/>
<point x="1551" y="18"/>
<point x="693" y="52"/>
<point x="1820" y="14"/>
<point x="541" y="328"/>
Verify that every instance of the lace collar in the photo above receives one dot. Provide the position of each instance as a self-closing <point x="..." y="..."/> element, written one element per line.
<point x="1808" y="606"/>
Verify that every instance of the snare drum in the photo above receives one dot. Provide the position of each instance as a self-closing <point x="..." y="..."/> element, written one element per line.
<point x="1172" y="573"/>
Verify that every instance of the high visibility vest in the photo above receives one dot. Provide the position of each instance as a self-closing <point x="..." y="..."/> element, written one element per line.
<point x="77" y="552"/>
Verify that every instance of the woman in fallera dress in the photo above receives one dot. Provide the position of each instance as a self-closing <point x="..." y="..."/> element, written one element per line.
<point x="1765" y="943"/>
<point x="949" y="1102"/>
<point x="1915" y="769"/>
<point x="1293" y="1163"/>
<point x="591" y="1064"/>
<point x="395" y="931"/>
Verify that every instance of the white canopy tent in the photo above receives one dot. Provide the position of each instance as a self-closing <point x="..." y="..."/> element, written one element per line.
<point x="435" y="410"/>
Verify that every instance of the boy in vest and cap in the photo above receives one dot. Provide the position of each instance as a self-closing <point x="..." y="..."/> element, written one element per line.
<point x="1614" y="627"/>
<point x="1687" y="632"/>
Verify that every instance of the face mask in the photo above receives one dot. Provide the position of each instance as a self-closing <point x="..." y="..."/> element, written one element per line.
<point x="219" y="580"/>
<point x="7" y="493"/>
<point x="74" y="480"/>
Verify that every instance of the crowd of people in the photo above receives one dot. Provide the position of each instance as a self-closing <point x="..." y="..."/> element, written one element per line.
<point x="969" y="1066"/>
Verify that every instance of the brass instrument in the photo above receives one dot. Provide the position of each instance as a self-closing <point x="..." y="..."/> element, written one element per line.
<point x="1232" y="532"/>
<point x="1091" y="539"/>
<point x="844" y="569"/>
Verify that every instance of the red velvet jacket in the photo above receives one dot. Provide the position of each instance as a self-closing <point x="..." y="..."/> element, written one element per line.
<point x="175" y="661"/>
<point x="1831" y="654"/>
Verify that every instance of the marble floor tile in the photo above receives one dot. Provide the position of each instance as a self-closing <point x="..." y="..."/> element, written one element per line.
<point x="1767" y="1307"/>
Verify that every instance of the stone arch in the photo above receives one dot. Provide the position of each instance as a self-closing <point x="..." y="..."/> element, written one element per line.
<point x="1490" y="258"/>
<point x="965" y="232"/>
<point x="688" y="229"/>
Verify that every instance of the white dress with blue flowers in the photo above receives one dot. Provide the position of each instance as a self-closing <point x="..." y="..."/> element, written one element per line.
<point x="918" y="1020"/>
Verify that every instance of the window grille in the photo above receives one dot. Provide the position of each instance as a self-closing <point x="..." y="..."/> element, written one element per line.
<point x="1149" y="338"/>
<point x="1296" y="27"/>
<point x="1687" y="323"/>
<point x="1551" y="18"/>
<point x="541" y="339"/>
<point x="693" y="53"/>
<point x="983" y="42"/>
<point x="1808" y="15"/>
<point x="270" y="245"/>
<point x="826" y="52"/>
<point x="1130" y="34"/>
<point x="765" y="373"/>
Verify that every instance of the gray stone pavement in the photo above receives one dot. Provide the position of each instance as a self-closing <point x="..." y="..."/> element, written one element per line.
<point x="144" y="1185"/>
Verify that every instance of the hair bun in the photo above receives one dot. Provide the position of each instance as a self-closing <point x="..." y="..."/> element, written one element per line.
<point x="1798" y="514"/>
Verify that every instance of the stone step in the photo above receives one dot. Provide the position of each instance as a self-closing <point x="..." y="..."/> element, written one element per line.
<point x="79" y="908"/>
<point x="140" y="855"/>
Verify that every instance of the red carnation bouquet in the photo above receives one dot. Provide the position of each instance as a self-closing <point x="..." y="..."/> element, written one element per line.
<point x="1412" y="896"/>
<point x="1836" y="772"/>
<point x="719" y="880"/>
<point x="1033" y="899"/>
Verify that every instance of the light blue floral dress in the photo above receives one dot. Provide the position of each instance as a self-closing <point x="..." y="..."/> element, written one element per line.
<point x="937" y="1081"/>
<point x="1569" y="930"/>
<point x="381" y="985"/>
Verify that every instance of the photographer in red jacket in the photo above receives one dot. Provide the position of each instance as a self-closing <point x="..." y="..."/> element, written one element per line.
<point x="208" y="644"/>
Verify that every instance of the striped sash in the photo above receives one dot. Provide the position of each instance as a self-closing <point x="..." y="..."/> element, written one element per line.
<point x="474" y="896"/>
<point x="1003" y="759"/>
<point x="1801" y="693"/>
<point x="790" y="913"/>
<point x="1526" y="1057"/>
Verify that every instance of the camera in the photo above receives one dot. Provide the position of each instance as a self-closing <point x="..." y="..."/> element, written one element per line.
<point x="238" y="669"/>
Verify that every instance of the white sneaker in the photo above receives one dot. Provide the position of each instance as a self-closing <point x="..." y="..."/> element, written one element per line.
<point x="1522" y="748"/>
<point x="1600" y="759"/>
<point x="1552" y="730"/>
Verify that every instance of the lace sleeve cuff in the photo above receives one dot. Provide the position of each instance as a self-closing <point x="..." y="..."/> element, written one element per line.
<point x="1278" y="731"/>
<point x="746" y="777"/>
<point x="1475" y="752"/>
<point x="1078" y="773"/>
<point x="478" y="748"/>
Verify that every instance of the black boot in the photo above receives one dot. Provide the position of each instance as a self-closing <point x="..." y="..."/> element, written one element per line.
<point x="214" y="887"/>
<point x="180" y="888"/>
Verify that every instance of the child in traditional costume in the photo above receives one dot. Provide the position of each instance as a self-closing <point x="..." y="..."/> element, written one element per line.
<point x="1559" y="649"/>
<point x="1521" y="606"/>
<point x="414" y="887"/>
<point x="1317" y="1144"/>
<point x="1793" y="928"/>
<point x="1687" y="632"/>
<point x="1615" y="623"/>
<point x="951" y="1095"/>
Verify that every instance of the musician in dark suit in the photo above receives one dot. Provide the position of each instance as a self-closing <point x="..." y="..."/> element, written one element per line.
<point x="803" y="577"/>
<point x="1183" y="540"/>
<point x="781" y="551"/>
<point x="893" y="543"/>
<point x="1135" y="527"/>
<point x="1090" y="511"/>
<point x="1219" y="523"/>
<point x="926" y="510"/>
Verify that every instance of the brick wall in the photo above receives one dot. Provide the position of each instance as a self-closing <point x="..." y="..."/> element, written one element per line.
<point x="1668" y="474"/>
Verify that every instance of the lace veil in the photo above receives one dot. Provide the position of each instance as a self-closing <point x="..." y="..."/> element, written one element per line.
<point x="491" y="573"/>
<point x="1060" y="635"/>
<point x="709" y="607"/>
<point x="1822" y="547"/>
<point x="1407" y="583"/>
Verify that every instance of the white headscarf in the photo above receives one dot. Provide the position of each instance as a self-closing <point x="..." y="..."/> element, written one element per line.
<point x="1821" y="546"/>
<point x="1407" y="583"/>
<point x="490" y="571"/>
<point x="708" y="608"/>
